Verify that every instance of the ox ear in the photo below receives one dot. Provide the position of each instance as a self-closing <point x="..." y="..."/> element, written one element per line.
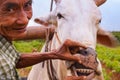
<point x="42" y="21"/>
<point x="99" y="2"/>
<point x="47" y="20"/>
<point x="106" y="38"/>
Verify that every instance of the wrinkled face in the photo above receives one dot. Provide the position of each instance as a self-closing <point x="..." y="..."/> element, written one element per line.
<point x="78" y="20"/>
<point x="14" y="16"/>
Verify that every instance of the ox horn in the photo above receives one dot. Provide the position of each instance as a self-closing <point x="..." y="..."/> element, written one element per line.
<point x="99" y="2"/>
<point x="57" y="1"/>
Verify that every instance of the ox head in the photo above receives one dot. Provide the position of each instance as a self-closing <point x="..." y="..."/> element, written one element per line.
<point x="79" y="20"/>
<point x="56" y="16"/>
<point x="74" y="22"/>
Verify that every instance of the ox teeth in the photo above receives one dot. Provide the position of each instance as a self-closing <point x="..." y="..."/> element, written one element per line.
<point x="85" y="70"/>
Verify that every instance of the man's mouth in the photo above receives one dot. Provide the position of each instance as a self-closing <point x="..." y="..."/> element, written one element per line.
<point x="21" y="29"/>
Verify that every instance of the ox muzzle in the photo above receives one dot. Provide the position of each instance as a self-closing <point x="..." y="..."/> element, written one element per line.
<point x="88" y="65"/>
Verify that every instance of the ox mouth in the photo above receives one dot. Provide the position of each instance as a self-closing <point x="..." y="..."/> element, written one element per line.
<point x="82" y="70"/>
<point x="88" y="74"/>
<point x="88" y="65"/>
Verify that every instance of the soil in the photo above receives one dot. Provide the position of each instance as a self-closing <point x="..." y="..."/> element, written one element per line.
<point x="24" y="72"/>
<point x="114" y="75"/>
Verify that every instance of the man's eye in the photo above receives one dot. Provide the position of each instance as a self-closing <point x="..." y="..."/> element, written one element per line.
<point x="28" y="5"/>
<point x="10" y="7"/>
<point x="10" y="10"/>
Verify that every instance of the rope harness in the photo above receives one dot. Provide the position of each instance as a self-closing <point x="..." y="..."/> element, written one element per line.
<point x="52" y="74"/>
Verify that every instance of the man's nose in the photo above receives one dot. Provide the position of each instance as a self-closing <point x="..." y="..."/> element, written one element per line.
<point x="22" y="18"/>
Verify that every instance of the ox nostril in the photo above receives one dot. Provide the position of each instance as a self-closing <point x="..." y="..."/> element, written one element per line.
<point x="83" y="52"/>
<point x="86" y="52"/>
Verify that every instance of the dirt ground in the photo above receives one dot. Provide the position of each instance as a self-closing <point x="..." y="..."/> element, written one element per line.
<point x="114" y="75"/>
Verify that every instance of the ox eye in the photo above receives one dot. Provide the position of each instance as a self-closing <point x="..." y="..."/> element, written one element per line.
<point x="59" y="16"/>
<point x="99" y="21"/>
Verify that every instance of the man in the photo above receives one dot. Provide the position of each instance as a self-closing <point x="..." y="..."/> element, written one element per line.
<point x="14" y="17"/>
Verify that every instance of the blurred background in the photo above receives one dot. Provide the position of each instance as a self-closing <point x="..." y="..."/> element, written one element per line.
<point x="110" y="13"/>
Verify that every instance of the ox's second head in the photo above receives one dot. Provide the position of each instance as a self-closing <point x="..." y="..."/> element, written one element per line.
<point x="78" y="20"/>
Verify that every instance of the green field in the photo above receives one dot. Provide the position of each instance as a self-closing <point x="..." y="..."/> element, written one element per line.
<point x="109" y="57"/>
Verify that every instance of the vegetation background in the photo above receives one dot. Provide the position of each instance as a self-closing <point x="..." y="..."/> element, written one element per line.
<point x="109" y="57"/>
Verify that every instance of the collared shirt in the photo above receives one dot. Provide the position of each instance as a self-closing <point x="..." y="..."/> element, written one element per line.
<point x="8" y="59"/>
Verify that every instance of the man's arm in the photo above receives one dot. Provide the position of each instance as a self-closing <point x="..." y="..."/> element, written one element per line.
<point x="99" y="2"/>
<point x="30" y="59"/>
<point x="62" y="53"/>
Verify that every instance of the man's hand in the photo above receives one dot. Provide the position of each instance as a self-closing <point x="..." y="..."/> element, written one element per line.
<point x="64" y="51"/>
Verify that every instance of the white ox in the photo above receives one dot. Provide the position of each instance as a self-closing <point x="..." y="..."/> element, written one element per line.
<point x="77" y="20"/>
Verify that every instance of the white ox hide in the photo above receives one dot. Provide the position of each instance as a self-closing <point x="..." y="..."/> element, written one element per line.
<point x="77" y="20"/>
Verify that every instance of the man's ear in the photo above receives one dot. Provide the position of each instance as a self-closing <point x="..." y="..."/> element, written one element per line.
<point x="106" y="38"/>
<point x="99" y="2"/>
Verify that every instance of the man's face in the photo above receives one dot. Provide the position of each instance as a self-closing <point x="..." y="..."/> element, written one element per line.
<point x="14" y="17"/>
